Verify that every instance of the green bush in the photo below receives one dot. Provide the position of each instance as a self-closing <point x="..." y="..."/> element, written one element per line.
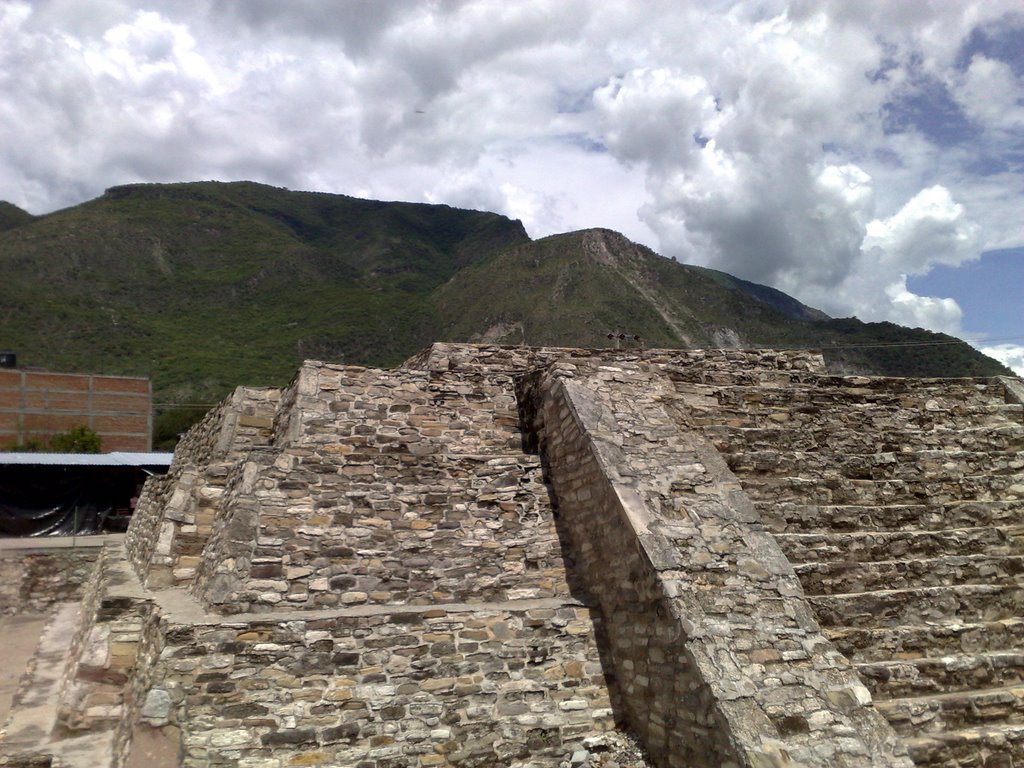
<point x="78" y="439"/>
<point x="32" y="445"/>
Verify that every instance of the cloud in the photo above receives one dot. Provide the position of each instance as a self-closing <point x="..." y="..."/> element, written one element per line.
<point x="908" y="308"/>
<point x="990" y="94"/>
<point x="824" y="147"/>
<point x="930" y="229"/>
<point x="638" y="106"/>
<point x="762" y="169"/>
<point x="1010" y="355"/>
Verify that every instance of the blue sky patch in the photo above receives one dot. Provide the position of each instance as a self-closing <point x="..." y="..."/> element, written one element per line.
<point x="1004" y="42"/>
<point x="990" y="291"/>
<point x="929" y="109"/>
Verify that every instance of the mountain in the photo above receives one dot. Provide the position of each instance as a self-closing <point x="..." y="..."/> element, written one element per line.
<point x="202" y="286"/>
<point x="12" y="216"/>
<point x="576" y="288"/>
<point x="205" y="285"/>
<point x="773" y="297"/>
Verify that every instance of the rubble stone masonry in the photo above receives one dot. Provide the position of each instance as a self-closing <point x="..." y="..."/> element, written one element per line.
<point x="553" y="558"/>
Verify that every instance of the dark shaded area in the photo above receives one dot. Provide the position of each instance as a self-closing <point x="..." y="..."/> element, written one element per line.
<point x="12" y="216"/>
<point x="45" y="500"/>
<point x="172" y="422"/>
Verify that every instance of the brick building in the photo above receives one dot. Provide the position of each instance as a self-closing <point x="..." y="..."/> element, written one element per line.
<point x="35" y="405"/>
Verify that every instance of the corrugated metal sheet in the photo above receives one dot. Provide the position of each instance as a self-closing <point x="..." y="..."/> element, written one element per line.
<point x="115" y="459"/>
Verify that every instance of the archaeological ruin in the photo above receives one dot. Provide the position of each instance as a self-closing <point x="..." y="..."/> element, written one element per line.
<point x="547" y="558"/>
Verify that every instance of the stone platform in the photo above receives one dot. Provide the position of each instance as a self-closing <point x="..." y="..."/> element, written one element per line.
<point x="505" y="556"/>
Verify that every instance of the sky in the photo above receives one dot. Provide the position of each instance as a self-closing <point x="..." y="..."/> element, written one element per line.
<point x="865" y="157"/>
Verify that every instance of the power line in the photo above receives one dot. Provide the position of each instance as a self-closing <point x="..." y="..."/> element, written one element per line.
<point x="185" y="405"/>
<point x="911" y="343"/>
<point x="1000" y="338"/>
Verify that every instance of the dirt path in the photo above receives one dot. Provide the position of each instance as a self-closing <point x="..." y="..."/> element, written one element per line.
<point x="19" y="636"/>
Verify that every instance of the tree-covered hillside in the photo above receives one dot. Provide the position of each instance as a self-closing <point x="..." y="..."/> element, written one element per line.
<point x="204" y="286"/>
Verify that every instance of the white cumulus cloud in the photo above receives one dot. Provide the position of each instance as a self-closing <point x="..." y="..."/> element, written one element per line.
<point x="1010" y="355"/>
<point x="825" y="147"/>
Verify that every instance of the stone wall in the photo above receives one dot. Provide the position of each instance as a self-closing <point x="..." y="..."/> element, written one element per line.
<point x="419" y="413"/>
<point x="175" y="514"/>
<point x="720" y="659"/>
<point x="471" y="686"/>
<point x="388" y="584"/>
<point x="312" y="529"/>
<point x="1013" y="389"/>
<point x="36" y="574"/>
<point x="386" y="488"/>
<point x="506" y="556"/>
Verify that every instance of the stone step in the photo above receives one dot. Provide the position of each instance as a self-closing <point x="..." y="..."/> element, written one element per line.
<point x="991" y="746"/>
<point x="915" y="641"/>
<point x="34" y="708"/>
<point x="1008" y="436"/>
<point x="932" y="490"/>
<point x="869" y="546"/>
<point x="799" y="517"/>
<point x="919" y="715"/>
<point x="877" y="419"/>
<point x="919" y="605"/>
<point x="927" y="404"/>
<point x="922" y="394"/>
<point x="889" y="465"/>
<point x="792" y="379"/>
<point x="692" y="377"/>
<point x="854" y="577"/>
<point x="764" y="408"/>
<point x="943" y="674"/>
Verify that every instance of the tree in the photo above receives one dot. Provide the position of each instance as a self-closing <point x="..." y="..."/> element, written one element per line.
<point x="78" y="439"/>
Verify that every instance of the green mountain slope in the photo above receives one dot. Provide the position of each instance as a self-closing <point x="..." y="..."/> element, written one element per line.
<point x="574" y="289"/>
<point x="203" y="286"/>
<point x="12" y="216"/>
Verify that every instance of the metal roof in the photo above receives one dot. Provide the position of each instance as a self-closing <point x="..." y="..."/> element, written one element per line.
<point x="114" y="459"/>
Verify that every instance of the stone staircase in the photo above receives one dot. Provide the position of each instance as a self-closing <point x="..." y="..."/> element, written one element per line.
<point x="369" y="568"/>
<point x="900" y="504"/>
<point x="382" y="584"/>
<point x="385" y="489"/>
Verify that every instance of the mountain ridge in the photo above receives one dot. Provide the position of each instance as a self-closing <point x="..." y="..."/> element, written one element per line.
<point x="206" y="285"/>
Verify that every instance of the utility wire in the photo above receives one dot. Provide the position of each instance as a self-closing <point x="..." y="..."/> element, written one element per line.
<point x="910" y="343"/>
<point x="185" y="405"/>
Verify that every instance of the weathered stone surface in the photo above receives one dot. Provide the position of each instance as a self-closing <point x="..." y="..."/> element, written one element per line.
<point x="505" y="556"/>
<point x="34" y="575"/>
<point x="899" y="501"/>
<point x="711" y="613"/>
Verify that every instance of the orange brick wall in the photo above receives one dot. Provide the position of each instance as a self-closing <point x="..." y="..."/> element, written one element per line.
<point x="36" y="405"/>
